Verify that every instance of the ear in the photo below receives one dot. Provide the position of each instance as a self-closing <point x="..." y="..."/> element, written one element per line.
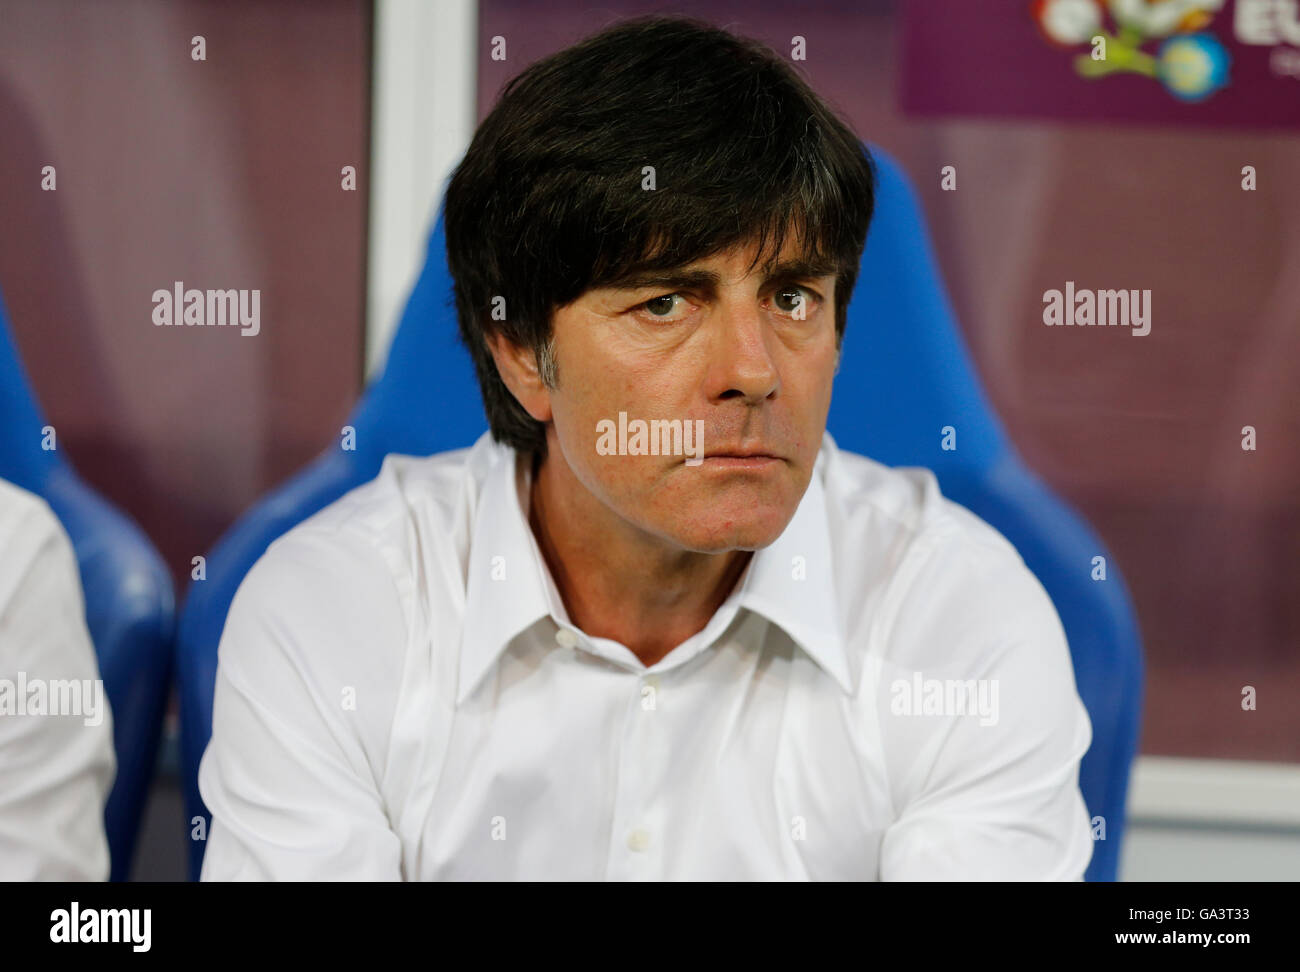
<point x="518" y="369"/>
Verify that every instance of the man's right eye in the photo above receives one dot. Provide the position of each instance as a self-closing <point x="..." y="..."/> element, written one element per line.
<point x="657" y="306"/>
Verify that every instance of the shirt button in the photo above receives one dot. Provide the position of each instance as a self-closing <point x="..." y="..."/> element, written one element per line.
<point x="566" y="638"/>
<point x="638" y="839"/>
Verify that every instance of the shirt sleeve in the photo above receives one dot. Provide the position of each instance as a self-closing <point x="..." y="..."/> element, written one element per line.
<point x="292" y="773"/>
<point x="985" y="788"/>
<point x="57" y="766"/>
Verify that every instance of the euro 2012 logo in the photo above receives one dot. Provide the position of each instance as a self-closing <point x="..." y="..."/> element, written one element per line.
<point x="1188" y="61"/>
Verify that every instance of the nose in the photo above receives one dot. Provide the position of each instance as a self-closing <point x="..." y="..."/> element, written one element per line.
<point x="742" y="364"/>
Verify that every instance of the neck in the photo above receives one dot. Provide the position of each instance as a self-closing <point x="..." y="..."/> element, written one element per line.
<point x="616" y="580"/>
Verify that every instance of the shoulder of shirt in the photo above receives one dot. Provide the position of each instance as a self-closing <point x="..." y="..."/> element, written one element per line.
<point x="349" y="563"/>
<point x="27" y="526"/>
<point x="911" y="551"/>
<point x="23" y="513"/>
<point x="908" y="500"/>
<point x="932" y="587"/>
<point x="411" y="502"/>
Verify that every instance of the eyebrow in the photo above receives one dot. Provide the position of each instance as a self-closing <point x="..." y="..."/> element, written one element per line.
<point x="799" y="269"/>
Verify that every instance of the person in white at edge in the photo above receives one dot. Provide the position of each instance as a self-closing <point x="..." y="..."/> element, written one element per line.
<point x="55" y="769"/>
<point x="555" y="663"/>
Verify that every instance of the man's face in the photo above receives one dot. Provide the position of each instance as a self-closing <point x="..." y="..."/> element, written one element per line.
<point x="746" y="358"/>
<point x="716" y="347"/>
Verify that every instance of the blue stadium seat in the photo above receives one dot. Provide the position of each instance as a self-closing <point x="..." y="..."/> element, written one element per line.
<point x="130" y="603"/>
<point x="905" y="373"/>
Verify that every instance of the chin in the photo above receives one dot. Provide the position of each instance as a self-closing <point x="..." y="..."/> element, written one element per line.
<point x="720" y="534"/>
<point x="739" y="516"/>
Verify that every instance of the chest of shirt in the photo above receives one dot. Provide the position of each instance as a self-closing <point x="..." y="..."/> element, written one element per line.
<point x="747" y="762"/>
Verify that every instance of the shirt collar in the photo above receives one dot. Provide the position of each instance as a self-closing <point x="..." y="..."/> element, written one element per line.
<point x="789" y="582"/>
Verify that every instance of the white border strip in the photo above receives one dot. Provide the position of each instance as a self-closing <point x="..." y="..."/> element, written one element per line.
<point x="1214" y="791"/>
<point x="423" y="115"/>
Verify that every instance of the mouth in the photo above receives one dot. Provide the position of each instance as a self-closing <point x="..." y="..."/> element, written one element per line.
<point x="742" y="460"/>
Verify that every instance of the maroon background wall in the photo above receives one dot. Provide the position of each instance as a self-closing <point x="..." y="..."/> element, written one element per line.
<point x="222" y="173"/>
<point x="1145" y="440"/>
<point x="225" y="173"/>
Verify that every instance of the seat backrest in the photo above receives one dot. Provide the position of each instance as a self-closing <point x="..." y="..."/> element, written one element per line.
<point x="904" y="374"/>
<point x="906" y="381"/>
<point x="129" y="598"/>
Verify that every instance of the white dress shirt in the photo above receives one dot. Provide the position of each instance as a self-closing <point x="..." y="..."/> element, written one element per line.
<point x="56" y="731"/>
<point x="401" y="695"/>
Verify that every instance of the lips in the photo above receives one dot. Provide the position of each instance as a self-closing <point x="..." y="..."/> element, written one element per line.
<point x="741" y="454"/>
<point x="741" y="461"/>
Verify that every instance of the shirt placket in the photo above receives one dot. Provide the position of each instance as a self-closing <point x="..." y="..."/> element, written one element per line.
<point x="637" y="850"/>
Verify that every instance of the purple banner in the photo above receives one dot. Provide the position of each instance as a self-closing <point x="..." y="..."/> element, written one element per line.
<point x="1196" y="62"/>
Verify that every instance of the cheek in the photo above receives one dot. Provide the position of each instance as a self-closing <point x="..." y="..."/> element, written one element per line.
<point x="600" y="385"/>
<point x="810" y="375"/>
<point x="589" y="393"/>
<point x="809" y="384"/>
<point x="579" y="407"/>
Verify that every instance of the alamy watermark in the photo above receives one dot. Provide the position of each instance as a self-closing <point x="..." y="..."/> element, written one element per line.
<point x="656" y="437"/>
<point x="1101" y="308"/>
<point x="68" y="697"/>
<point x="130" y="926"/>
<point x="945" y="697"/>
<point x="214" y="308"/>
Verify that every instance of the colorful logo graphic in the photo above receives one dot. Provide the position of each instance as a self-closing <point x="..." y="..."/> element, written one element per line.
<point x="1191" y="63"/>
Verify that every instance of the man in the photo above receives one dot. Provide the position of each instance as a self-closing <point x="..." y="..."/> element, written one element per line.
<point x="56" y="732"/>
<point x="656" y="625"/>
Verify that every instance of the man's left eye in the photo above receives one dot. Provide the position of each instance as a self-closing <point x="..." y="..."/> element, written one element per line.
<point x="790" y="299"/>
